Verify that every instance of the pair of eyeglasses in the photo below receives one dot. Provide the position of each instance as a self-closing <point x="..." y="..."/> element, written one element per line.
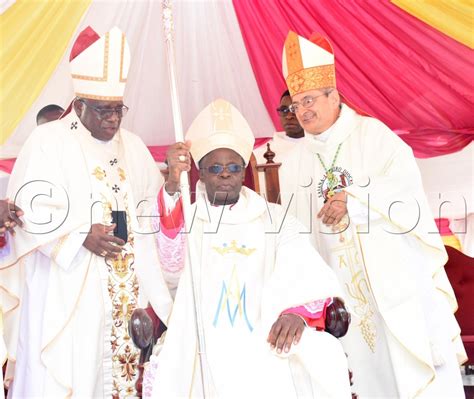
<point x="106" y="113"/>
<point x="283" y="110"/>
<point x="306" y="102"/>
<point x="218" y="169"/>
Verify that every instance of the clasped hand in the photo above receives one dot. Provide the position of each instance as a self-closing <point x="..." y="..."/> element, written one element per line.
<point x="334" y="209"/>
<point x="101" y="242"/>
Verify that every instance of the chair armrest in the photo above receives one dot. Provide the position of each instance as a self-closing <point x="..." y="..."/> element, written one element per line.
<point x="337" y="318"/>
<point x="141" y="328"/>
<point x="144" y="328"/>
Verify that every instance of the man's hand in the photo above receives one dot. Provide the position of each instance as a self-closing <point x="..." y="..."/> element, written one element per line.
<point x="100" y="242"/>
<point x="334" y="209"/>
<point x="287" y="330"/>
<point x="9" y="216"/>
<point x="178" y="159"/>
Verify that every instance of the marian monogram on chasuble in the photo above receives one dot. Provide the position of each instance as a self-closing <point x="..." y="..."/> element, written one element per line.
<point x="233" y="295"/>
<point x="120" y="284"/>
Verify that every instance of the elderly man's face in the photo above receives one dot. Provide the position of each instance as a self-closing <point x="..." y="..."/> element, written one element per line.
<point x="321" y="114"/>
<point x="94" y="116"/>
<point x="222" y="188"/>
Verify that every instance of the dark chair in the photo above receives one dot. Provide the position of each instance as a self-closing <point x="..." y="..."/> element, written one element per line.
<point x="460" y="271"/>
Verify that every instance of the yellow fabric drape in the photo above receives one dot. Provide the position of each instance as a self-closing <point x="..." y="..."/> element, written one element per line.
<point x="33" y="38"/>
<point x="452" y="241"/>
<point x="454" y="18"/>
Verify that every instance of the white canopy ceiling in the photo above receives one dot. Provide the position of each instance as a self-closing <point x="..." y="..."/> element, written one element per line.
<point x="211" y="62"/>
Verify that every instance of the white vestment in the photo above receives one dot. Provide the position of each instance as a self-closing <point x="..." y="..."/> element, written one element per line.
<point x="245" y="279"/>
<point x="280" y="144"/>
<point x="403" y="338"/>
<point x="66" y="309"/>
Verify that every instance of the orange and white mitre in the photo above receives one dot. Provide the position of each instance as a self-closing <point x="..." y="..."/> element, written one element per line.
<point x="308" y="64"/>
<point x="100" y="64"/>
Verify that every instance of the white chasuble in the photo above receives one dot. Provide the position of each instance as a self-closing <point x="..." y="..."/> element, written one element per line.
<point x="245" y="279"/>
<point x="386" y="253"/>
<point x="67" y="309"/>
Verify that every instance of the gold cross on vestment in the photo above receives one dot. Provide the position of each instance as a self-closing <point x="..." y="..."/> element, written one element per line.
<point x="221" y="116"/>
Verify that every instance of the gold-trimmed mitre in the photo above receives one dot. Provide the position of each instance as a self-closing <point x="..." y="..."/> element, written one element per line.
<point x="220" y="125"/>
<point x="306" y="65"/>
<point x="99" y="65"/>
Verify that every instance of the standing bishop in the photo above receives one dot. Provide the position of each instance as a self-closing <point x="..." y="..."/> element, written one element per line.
<point x="356" y="187"/>
<point x="82" y="262"/>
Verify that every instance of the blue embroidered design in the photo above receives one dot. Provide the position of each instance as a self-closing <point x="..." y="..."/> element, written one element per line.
<point x="241" y="306"/>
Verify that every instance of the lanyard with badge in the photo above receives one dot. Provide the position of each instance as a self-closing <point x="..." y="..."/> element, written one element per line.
<point x="332" y="179"/>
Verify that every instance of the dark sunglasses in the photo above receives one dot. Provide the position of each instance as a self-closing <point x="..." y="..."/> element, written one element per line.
<point x="283" y="110"/>
<point x="218" y="169"/>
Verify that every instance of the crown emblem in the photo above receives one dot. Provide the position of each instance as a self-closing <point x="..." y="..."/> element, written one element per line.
<point x="234" y="249"/>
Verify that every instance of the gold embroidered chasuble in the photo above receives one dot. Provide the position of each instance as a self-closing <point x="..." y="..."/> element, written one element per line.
<point x="387" y="255"/>
<point x="79" y="345"/>
<point x="111" y="191"/>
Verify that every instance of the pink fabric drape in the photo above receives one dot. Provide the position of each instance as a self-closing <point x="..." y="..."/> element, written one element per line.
<point x="6" y="165"/>
<point x="390" y="64"/>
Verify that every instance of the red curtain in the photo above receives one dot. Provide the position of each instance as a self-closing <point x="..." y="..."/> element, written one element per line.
<point x="388" y="63"/>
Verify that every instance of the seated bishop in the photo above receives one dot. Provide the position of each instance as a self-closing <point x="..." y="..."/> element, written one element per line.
<point x="254" y="284"/>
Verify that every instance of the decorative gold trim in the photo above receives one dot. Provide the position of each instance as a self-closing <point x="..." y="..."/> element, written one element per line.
<point x="99" y="173"/>
<point x="358" y="289"/>
<point x="14" y="298"/>
<point x="121" y="174"/>
<point x="221" y="113"/>
<point x="424" y="387"/>
<point x="122" y="50"/>
<point x="105" y="70"/>
<point x="441" y="267"/>
<point x="97" y="97"/>
<point x="19" y="258"/>
<point x="121" y="264"/>
<point x="430" y="367"/>
<point x="294" y="60"/>
<point x="464" y="357"/>
<point x="363" y="202"/>
<point x="315" y="78"/>
<point x="58" y="247"/>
